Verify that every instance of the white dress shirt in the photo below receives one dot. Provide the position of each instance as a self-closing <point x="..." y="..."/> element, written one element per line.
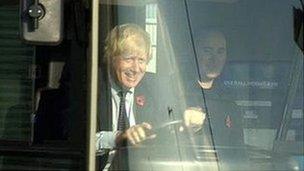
<point x="106" y="139"/>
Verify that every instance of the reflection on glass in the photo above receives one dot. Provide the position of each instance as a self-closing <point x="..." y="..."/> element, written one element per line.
<point x="212" y="57"/>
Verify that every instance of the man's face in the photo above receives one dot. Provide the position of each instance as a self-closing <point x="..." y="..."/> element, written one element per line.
<point x="130" y="66"/>
<point x="213" y="55"/>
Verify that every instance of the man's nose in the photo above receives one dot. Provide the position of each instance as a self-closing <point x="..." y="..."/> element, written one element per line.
<point x="213" y="55"/>
<point x="136" y="66"/>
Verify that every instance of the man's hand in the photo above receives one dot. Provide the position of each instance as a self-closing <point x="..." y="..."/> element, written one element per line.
<point x="136" y="134"/>
<point x="194" y="117"/>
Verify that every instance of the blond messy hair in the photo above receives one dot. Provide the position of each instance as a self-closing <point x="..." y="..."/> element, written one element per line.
<point x="116" y="43"/>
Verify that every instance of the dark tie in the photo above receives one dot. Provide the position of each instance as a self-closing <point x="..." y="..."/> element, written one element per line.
<point x="123" y="121"/>
<point x="121" y="161"/>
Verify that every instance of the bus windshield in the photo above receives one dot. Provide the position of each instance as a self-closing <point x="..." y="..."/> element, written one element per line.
<point x="234" y="61"/>
<point x="179" y="85"/>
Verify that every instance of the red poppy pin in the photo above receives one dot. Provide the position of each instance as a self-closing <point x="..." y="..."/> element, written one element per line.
<point x="228" y="121"/>
<point x="140" y="100"/>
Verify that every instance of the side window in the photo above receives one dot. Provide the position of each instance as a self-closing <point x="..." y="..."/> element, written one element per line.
<point x="41" y="103"/>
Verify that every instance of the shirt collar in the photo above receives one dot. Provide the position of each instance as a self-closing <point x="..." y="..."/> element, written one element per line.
<point x="115" y="91"/>
<point x="115" y="88"/>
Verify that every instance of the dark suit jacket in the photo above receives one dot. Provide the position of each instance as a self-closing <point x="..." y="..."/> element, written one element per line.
<point x="142" y="108"/>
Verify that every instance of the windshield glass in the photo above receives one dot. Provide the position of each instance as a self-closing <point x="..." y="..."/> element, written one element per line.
<point x="223" y="89"/>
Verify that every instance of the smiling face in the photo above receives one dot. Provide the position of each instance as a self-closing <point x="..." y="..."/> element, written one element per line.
<point x="127" y="52"/>
<point x="130" y="66"/>
<point x="212" y="55"/>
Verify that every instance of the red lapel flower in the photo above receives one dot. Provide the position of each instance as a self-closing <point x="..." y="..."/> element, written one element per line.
<point x="228" y="121"/>
<point x="140" y="100"/>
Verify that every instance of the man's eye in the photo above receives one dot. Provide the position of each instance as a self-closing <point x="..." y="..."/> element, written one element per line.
<point x="221" y="50"/>
<point x="142" y="61"/>
<point x="207" y="50"/>
<point x="128" y="60"/>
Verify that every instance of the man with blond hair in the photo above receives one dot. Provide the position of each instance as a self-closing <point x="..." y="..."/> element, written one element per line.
<point x="127" y="53"/>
